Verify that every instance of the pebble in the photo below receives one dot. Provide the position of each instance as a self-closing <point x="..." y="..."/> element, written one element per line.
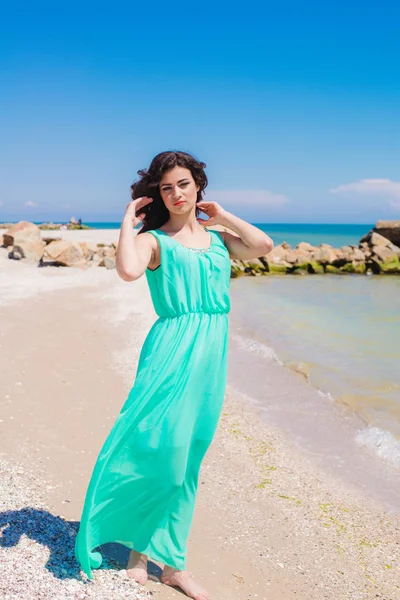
<point x="38" y="562"/>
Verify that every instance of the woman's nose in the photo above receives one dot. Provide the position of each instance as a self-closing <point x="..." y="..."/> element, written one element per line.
<point x="176" y="193"/>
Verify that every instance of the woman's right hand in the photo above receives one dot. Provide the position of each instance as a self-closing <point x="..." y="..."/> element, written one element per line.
<point x="132" y="212"/>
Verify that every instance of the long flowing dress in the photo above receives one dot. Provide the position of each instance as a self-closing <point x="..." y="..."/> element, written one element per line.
<point x="143" y="486"/>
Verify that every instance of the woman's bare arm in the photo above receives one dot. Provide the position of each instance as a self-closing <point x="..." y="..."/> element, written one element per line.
<point x="134" y="252"/>
<point x="250" y="241"/>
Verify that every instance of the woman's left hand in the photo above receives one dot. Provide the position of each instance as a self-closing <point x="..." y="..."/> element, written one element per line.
<point x="215" y="213"/>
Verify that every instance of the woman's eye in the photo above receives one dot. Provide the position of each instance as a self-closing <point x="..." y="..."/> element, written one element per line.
<point x="185" y="184"/>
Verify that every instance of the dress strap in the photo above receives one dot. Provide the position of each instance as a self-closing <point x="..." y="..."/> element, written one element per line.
<point x="217" y="236"/>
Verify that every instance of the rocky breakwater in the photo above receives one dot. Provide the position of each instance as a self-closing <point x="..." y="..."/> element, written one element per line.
<point x="23" y="241"/>
<point x="378" y="252"/>
<point x="375" y="254"/>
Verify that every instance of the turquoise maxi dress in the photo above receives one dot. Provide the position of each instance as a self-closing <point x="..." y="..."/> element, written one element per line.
<point x="143" y="487"/>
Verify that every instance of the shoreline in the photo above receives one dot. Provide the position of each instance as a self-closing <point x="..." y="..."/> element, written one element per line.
<point x="386" y="437"/>
<point x="258" y="489"/>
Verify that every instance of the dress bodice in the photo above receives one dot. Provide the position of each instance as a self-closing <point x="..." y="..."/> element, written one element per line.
<point x="189" y="279"/>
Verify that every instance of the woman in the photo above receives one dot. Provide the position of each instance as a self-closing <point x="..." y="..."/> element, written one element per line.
<point x="143" y="488"/>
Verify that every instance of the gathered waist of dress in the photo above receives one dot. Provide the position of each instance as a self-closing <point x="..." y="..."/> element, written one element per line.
<point x="194" y="312"/>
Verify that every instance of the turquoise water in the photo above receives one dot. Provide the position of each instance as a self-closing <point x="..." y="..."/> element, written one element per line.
<point x="315" y="234"/>
<point x="336" y="235"/>
<point x="342" y="331"/>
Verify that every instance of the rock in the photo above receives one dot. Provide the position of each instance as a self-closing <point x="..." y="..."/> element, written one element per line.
<point x="389" y="230"/>
<point x="277" y="269"/>
<point x="65" y="253"/>
<point x="332" y="269"/>
<point x="31" y="251"/>
<point x="104" y="250"/>
<point x="305" y="247"/>
<point x="384" y="254"/>
<point x="314" y="267"/>
<point x="277" y="255"/>
<point x="21" y="232"/>
<point x="88" y="249"/>
<point x="354" y="267"/>
<point x="297" y="257"/>
<point x="349" y="254"/>
<point x="55" y="248"/>
<point x="236" y="271"/>
<point x="389" y="267"/>
<point x="108" y="262"/>
<point x="375" y="239"/>
<point x="325" y="254"/>
<point x="366" y="250"/>
<point x="96" y="260"/>
<point x="253" y="266"/>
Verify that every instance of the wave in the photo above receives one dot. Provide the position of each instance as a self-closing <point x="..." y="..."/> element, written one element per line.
<point x="381" y="442"/>
<point x="257" y="348"/>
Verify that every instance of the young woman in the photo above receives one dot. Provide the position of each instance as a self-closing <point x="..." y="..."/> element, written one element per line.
<point x="143" y="487"/>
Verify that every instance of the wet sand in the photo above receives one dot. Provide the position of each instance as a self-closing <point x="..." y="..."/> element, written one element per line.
<point x="271" y="521"/>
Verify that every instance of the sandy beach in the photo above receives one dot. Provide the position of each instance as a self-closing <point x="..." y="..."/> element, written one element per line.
<point x="271" y="523"/>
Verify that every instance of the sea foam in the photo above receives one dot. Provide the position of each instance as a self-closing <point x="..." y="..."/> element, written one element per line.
<point x="381" y="442"/>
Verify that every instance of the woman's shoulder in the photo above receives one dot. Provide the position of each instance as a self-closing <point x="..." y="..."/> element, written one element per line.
<point x="148" y="237"/>
<point x="218" y="234"/>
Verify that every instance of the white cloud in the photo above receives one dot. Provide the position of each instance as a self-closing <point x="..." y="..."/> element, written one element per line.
<point x="378" y="188"/>
<point x="245" y="198"/>
<point x="30" y="203"/>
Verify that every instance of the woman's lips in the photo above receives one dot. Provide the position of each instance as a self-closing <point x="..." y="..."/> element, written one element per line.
<point x="180" y="202"/>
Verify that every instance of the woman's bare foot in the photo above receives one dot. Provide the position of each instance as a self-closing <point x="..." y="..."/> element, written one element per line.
<point x="184" y="580"/>
<point x="137" y="567"/>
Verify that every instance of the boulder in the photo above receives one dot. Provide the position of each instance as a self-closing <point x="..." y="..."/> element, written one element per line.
<point x="365" y="249"/>
<point x="354" y="267"/>
<point x="21" y="232"/>
<point x="255" y="265"/>
<point x="277" y="269"/>
<point x="389" y="230"/>
<point x="65" y="253"/>
<point x="297" y="257"/>
<point x="391" y="267"/>
<point x="375" y="239"/>
<point x="277" y="255"/>
<point x="88" y="249"/>
<point x="236" y="271"/>
<point x="384" y="254"/>
<point x="104" y="251"/>
<point x="325" y="254"/>
<point x="316" y="268"/>
<point x="108" y="262"/>
<point x="96" y="261"/>
<point x="30" y="250"/>
<point x="332" y="269"/>
<point x="350" y="254"/>
<point x="305" y="247"/>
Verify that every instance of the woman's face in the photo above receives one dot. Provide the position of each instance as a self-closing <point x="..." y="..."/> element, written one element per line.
<point x="178" y="190"/>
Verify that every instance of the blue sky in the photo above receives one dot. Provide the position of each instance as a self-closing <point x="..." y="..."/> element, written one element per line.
<point x="295" y="109"/>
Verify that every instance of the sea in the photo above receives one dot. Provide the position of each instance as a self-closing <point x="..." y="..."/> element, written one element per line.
<point x="341" y="332"/>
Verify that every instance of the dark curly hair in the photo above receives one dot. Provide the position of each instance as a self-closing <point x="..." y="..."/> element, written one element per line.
<point x="156" y="213"/>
